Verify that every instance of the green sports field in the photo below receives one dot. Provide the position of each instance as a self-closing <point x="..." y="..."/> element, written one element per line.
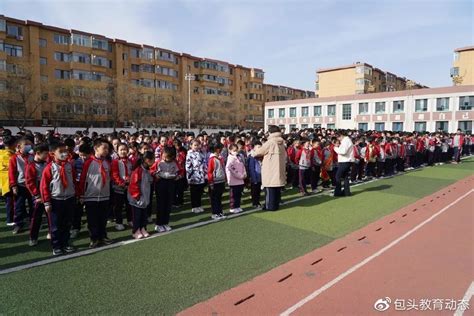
<point x="167" y="274"/>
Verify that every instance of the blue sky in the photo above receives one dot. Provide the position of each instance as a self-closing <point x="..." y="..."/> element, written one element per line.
<point x="289" y="39"/>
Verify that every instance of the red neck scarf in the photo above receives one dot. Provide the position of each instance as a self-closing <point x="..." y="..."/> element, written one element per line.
<point x="103" y="174"/>
<point x="62" y="172"/>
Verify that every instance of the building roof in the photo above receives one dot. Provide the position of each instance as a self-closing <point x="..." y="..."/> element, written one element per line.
<point x="378" y="95"/>
<point x="463" y="49"/>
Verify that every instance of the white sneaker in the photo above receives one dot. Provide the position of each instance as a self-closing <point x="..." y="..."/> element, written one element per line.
<point x="167" y="228"/>
<point x="157" y="228"/>
<point x="196" y="210"/>
<point x="240" y="210"/>
<point x="222" y="216"/>
<point x="119" y="227"/>
<point x="201" y="210"/>
<point x="161" y="229"/>
<point x="234" y="210"/>
<point x="11" y="224"/>
<point x="215" y="216"/>
<point x="74" y="233"/>
<point x="48" y="236"/>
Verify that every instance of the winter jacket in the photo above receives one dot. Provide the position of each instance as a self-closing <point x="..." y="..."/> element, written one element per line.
<point x="216" y="170"/>
<point x="235" y="171"/>
<point x="274" y="161"/>
<point x="255" y="170"/>
<point x="34" y="173"/>
<point x="5" y="155"/>
<point x="52" y="185"/>
<point x="94" y="184"/>
<point x="17" y="168"/>
<point x="195" y="167"/>
<point x="139" y="189"/>
<point x="121" y="171"/>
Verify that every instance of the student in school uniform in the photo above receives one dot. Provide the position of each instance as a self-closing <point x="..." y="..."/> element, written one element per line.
<point x="216" y="179"/>
<point x="457" y="145"/>
<point x="317" y="163"/>
<point x="58" y="193"/>
<point x="235" y="174"/>
<point x="139" y="194"/>
<point x="166" y="172"/>
<point x="85" y="150"/>
<point x="16" y="174"/>
<point x="181" y="183"/>
<point x="121" y="170"/>
<point x="94" y="191"/>
<point x="304" y="157"/>
<point x="371" y="154"/>
<point x="34" y="173"/>
<point x="380" y="145"/>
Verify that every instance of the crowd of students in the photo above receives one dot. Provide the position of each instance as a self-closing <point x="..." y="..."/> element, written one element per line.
<point x="117" y="176"/>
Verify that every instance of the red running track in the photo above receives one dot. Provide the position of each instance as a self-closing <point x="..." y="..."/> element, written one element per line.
<point x="421" y="252"/>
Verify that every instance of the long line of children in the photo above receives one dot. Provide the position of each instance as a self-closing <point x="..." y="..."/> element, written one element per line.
<point x="108" y="177"/>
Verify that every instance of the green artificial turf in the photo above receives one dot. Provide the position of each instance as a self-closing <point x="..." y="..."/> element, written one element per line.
<point x="167" y="274"/>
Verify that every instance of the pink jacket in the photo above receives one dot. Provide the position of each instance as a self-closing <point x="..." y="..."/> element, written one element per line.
<point x="235" y="171"/>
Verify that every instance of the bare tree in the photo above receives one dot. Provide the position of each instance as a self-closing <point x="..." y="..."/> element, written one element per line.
<point x="22" y="98"/>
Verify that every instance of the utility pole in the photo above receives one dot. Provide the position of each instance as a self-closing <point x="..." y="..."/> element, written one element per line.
<point x="189" y="77"/>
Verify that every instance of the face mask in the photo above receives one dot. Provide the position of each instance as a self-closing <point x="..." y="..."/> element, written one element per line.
<point x="27" y="149"/>
<point x="63" y="156"/>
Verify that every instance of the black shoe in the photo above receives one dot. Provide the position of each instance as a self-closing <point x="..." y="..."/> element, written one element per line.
<point x="107" y="241"/>
<point x="57" y="252"/>
<point x="94" y="244"/>
<point x="69" y="249"/>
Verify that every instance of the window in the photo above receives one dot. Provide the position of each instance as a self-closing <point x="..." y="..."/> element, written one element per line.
<point x="134" y="52"/>
<point x="292" y="112"/>
<point x="44" y="78"/>
<point x="379" y="107"/>
<point x="62" y="39"/>
<point x="465" y="126"/>
<point x="281" y="112"/>
<point x="465" y="103"/>
<point x="100" y="44"/>
<point x="398" y="106"/>
<point x="420" y="126"/>
<point x="135" y="68"/>
<point x="456" y="56"/>
<point x="332" y="110"/>
<point x="43" y="61"/>
<point x="331" y="126"/>
<point x="13" y="50"/>
<point x="363" y="108"/>
<point x="124" y="56"/>
<point x="292" y="127"/>
<point x="62" y="74"/>
<point x="442" y="104"/>
<point x="60" y="56"/>
<point x="363" y="127"/>
<point x="397" y="126"/>
<point x="81" y="58"/>
<point x="168" y="85"/>
<point x="15" y="31"/>
<point x="3" y="25"/>
<point x="379" y="127"/>
<point x="81" y="40"/>
<point x="346" y="111"/>
<point x="303" y="126"/>
<point x="442" y="125"/>
<point x="316" y="125"/>
<point x="100" y="61"/>
<point x="317" y="110"/>
<point x="42" y="42"/>
<point x="147" y="53"/>
<point x="304" y="111"/>
<point x="421" y="105"/>
<point x="271" y="113"/>
<point x="3" y="65"/>
<point x="81" y="75"/>
<point x="167" y="56"/>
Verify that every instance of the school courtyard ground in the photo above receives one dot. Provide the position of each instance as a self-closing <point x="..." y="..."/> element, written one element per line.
<point x="408" y="238"/>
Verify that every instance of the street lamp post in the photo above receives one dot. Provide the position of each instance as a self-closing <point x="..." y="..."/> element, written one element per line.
<point x="189" y="77"/>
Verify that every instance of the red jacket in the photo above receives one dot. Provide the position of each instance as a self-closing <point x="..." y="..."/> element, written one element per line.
<point x="17" y="168"/>
<point x="33" y="178"/>
<point x="420" y="145"/>
<point x="135" y="183"/>
<point x="215" y="169"/>
<point x="310" y="154"/>
<point x="51" y="185"/>
<point x="115" y="169"/>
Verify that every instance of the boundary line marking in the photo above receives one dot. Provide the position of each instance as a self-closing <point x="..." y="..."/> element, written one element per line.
<point x="467" y="297"/>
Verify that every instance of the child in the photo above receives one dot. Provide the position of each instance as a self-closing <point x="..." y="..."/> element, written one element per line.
<point x="121" y="170"/>
<point x="34" y="172"/>
<point x="236" y="174"/>
<point x="196" y="175"/>
<point x="317" y="162"/>
<point x="304" y="157"/>
<point x="16" y="174"/>
<point x="94" y="192"/>
<point x="58" y="195"/>
<point x="327" y="166"/>
<point x="85" y="151"/>
<point x="181" y="181"/>
<point x="165" y="172"/>
<point x="5" y="155"/>
<point x="371" y="154"/>
<point x="139" y="194"/>
<point x="255" y="170"/>
<point x="216" y="177"/>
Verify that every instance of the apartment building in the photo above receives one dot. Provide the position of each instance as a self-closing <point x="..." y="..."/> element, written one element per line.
<point x="446" y="108"/>
<point x="75" y="78"/>
<point x="462" y="72"/>
<point x="283" y="93"/>
<point x="359" y="78"/>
